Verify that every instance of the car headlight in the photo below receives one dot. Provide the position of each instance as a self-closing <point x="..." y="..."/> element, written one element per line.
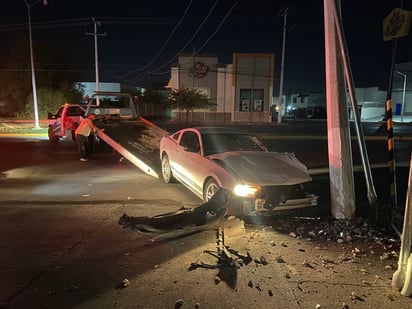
<point x="246" y="190"/>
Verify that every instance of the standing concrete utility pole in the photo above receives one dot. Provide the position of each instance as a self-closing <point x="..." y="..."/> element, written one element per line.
<point x="96" y="55"/>
<point x="284" y="13"/>
<point x="339" y="148"/>
<point x="33" y="74"/>
<point x="358" y="125"/>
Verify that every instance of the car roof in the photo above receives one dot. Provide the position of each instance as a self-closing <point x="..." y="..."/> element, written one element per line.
<point x="219" y="130"/>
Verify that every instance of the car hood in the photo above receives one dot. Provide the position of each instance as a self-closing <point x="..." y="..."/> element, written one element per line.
<point x="263" y="168"/>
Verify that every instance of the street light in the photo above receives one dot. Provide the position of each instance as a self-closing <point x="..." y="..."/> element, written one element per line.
<point x="403" y="94"/>
<point x="33" y="76"/>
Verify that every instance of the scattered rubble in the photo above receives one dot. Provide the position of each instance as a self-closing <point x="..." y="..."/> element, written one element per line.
<point x="356" y="239"/>
<point x="359" y="235"/>
<point x="125" y="283"/>
<point x="179" y="303"/>
<point x="332" y="229"/>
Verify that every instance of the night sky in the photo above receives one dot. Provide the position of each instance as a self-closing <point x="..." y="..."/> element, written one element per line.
<point x="142" y="38"/>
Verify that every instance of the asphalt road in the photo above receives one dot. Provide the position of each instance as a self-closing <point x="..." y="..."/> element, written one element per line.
<point x="62" y="247"/>
<point x="34" y="169"/>
<point x="37" y="170"/>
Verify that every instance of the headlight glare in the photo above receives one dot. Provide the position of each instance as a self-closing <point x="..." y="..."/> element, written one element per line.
<point x="245" y="190"/>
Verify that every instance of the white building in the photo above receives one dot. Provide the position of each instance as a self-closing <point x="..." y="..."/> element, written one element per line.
<point x="242" y="90"/>
<point x="90" y="87"/>
<point x="371" y="101"/>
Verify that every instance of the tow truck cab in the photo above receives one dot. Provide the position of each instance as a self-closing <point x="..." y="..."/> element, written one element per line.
<point x="63" y="123"/>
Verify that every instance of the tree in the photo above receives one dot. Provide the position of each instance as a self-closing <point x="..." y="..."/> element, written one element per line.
<point x="54" y="87"/>
<point x="189" y="99"/>
<point x="51" y="99"/>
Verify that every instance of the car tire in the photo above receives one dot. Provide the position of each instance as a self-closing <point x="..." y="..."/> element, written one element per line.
<point x="52" y="137"/>
<point x="166" y="170"/>
<point x="210" y="189"/>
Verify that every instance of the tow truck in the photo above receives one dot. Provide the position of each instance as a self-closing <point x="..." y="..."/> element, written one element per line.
<point x="133" y="137"/>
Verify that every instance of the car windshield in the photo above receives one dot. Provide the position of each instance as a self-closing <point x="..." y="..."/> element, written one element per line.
<point x="218" y="143"/>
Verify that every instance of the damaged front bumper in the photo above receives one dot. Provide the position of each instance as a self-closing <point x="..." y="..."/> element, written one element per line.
<point x="209" y="215"/>
<point x="259" y="206"/>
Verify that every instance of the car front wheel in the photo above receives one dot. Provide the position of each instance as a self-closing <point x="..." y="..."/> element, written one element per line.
<point x="166" y="170"/>
<point x="210" y="189"/>
<point x="52" y="136"/>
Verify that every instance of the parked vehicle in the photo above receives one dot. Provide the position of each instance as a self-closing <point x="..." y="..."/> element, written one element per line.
<point x="205" y="159"/>
<point x="63" y="123"/>
<point x="116" y="113"/>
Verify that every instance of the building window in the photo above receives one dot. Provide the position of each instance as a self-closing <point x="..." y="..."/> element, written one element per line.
<point x="251" y="100"/>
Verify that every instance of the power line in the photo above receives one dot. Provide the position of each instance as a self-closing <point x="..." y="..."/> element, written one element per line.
<point x="89" y="20"/>
<point x="216" y="30"/>
<point x="138" y="78"/>
<point x="181" y="50"/>
<point x="164" y="44"/>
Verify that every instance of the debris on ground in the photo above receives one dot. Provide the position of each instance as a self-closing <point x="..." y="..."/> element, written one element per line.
<point x="184" y="221"/>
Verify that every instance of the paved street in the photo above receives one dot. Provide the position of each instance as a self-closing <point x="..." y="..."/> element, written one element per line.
<point x="62" y="247"/>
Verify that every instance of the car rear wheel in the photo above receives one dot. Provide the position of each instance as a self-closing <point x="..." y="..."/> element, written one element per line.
<point x="166" y="170"/>
<point x="210" y="189"/>
<point x="52" y="136"/>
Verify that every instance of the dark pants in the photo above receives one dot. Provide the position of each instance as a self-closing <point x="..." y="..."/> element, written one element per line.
<point x="83" y="145"/>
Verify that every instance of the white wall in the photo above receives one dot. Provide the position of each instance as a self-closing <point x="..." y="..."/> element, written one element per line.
<point x="90" y="87"/>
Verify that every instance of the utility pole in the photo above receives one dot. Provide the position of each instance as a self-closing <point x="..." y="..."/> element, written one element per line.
<point x="284" y="13"/>
<point x="342" y="189"/>
<point x="96" y="56"/>
<point x="400" y="17"/>
<point x="33" y="72"/>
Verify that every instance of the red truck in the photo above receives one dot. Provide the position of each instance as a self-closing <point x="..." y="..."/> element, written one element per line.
<point x="63" y="123"/>
<point x="124" y="130"/>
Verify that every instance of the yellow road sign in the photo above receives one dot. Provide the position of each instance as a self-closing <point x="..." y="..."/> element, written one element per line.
<point x="396" y="24"/>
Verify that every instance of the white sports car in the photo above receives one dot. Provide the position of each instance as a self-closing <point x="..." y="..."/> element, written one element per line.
<point x="205" y="159"/>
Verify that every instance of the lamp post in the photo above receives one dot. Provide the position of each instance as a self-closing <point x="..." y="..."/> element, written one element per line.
<point x="33" y="75"/>
<point x="403" y="93"/>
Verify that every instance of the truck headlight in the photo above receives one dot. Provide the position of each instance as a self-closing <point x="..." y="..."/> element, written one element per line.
<point x="246" y="190"/>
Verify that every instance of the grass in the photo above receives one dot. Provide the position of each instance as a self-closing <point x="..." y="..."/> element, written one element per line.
<point x="21" y="127"/>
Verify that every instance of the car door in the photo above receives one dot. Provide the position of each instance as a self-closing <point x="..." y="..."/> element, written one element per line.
<point x="55" y="123"/>
<point x="188" y="165"/>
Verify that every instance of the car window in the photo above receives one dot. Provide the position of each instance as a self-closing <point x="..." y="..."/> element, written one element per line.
<point x="59" y="113"/>
<point x="191" y="141"/>
<point x="176" y="136"/>
<point x="74" y="111"/>
<point x="218" y="143"/>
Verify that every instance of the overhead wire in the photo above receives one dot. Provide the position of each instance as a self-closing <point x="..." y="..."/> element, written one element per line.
<point x="110" y="20"/>
<point x="138" y="78"/>
<point x="203" y="45"/>
<point x="84" y="21"/>
<point x="198" y="50"/>
<point x="163" y="46"/>
<point x="154" y="72"/>
<point x="46" y="24"/>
